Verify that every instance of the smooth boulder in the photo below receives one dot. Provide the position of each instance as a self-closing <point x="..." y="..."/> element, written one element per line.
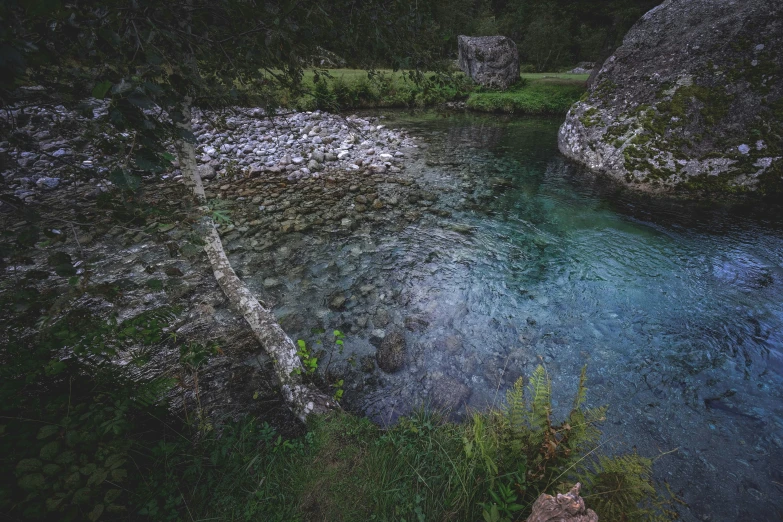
<point x="692" y="99"/>
<point x="491" y="61"/>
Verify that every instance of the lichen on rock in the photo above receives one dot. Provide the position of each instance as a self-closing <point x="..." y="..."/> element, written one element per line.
<point x="692" y="99"/>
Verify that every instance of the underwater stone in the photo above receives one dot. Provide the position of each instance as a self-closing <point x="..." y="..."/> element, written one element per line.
<point x="391" y="354"/>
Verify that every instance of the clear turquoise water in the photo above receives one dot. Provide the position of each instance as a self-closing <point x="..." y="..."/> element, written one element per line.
<point x="676" y="307"/>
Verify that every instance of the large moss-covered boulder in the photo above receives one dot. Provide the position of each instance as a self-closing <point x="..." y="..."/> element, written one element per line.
<point x="693" y="98"/>
<point x="491" y="61"/>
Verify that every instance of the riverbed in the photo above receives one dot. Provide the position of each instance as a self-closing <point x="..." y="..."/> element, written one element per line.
<point x="516" y="258"/>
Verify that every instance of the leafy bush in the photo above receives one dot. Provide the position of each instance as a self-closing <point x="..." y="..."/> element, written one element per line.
<point x="70" y="412"/>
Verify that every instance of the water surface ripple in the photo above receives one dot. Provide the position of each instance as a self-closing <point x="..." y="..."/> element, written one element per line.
<point x="676" y="307"/>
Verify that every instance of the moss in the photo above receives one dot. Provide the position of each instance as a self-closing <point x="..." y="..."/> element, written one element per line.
<point x="715" y="103"/>
<point x="590" y="117"/>
<point x="758" y="69"/>
<point x="641" y="139"/>
<point x="720" y="184"/>
<point x="603" y="89"/>
<point x="770" y="184"/>
<point x="640" y="154"/>
<point x="650" y="121"/>
<point x="616" y="132"/>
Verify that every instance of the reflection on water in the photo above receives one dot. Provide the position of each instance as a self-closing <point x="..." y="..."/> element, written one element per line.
<point x="676" y="308"/>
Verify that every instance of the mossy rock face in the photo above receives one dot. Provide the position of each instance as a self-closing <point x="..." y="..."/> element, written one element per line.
<point x="692" y="100"/>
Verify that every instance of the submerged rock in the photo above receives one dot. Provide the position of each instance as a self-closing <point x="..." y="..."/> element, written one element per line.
<point x="448" y="393"/>
<point x="391" y="354"/>
<point x="692" y="98"/>
<point x="492" y="61"/>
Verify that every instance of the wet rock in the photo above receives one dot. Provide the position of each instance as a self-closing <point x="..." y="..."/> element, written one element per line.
<point x="376" y="337"/>
<point x="416" y="323"/>
<point x="448" y="393"/>
<point x="337" y="302"/>
<point x="172" y="271"/>
<point x="271" y="282"/>
<point x="293" y="322"/>
<point x="313" y="165"/>
<point x="367" y="363"/>
<point x="48" y="183"/>
<point x="391" y="354"/>
<point x="381" y="317"/>
<point x="452" y="343"/>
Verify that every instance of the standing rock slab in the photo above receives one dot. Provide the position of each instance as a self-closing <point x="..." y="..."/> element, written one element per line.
<point x="693" y="99"/>
<point x="491" y="61"/>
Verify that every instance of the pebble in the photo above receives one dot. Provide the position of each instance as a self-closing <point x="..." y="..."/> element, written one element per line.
<point x="48" y="183"/>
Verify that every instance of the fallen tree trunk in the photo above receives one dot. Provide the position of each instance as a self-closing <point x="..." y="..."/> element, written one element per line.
<point x="563" y="508"/>
<point x="302" y="398"/>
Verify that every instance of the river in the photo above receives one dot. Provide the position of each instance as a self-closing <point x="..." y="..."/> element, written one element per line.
<point x="676" y="307"/>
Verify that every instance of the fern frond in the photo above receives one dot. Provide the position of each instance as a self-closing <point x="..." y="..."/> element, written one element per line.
<point x="581" y="391"/>
<point x="151" y="392"/>
<point x="162" y="315"/>
<point x="147" y="327"/>
<point x="484" y="445"/>
<point x="621" y="488"/>
<point x="517" y="408"/>
<point x="541" y="399"/>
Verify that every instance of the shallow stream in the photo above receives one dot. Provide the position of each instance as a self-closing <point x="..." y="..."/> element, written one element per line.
<point x="523" y="259"/>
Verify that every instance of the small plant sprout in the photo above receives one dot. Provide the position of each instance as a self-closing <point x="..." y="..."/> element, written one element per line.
<point x="309" y="362"/>
<point x="338" y="393"/>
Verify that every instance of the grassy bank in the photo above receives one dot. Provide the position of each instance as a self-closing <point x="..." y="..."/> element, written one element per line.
<point x="535" y="94"/>
<point x="346" y="89"/>
<point x="492" y="467"/>
<point x="424" y="468"/>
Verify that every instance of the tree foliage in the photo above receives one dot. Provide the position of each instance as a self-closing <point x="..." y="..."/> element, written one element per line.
<point x="146" y="56"/>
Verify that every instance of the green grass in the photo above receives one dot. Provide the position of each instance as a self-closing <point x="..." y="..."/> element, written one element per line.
<point x="568" y="78"/>
<point x="345" y="89"/>
<point x="424" y="468"/>
<point x="352" y="75"/>
<point x="538" y="93"/>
